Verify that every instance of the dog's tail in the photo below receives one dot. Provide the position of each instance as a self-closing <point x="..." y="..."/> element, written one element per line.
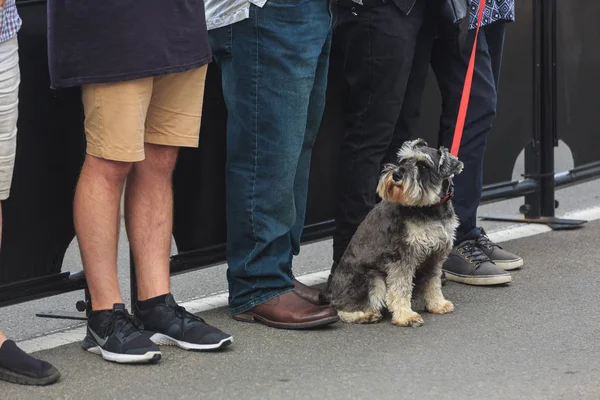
<point x="326" y="296"/>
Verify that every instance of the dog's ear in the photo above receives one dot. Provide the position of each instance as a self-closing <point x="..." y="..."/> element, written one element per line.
<point x="418" y="143"/>
<point x="449" y="165"/>
<point x="410" y="148"/>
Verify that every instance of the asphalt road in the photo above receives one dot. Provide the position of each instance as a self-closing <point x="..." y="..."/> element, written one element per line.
<point x="536" y="338"/>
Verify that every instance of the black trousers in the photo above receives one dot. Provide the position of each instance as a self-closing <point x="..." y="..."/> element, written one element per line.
<point x="377" y="44"/>
<point x="450" y="68"/>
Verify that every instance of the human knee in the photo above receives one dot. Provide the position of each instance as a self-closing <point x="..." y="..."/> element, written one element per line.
<point x="113" y="171"/>
<point x="159" y="163"/>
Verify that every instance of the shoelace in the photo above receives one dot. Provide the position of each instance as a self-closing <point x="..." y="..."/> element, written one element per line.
<point x="472" y="253"/>
<point x="123" y="322"/>
<point x="485" y="241"/>
<point x="184" y="314"/>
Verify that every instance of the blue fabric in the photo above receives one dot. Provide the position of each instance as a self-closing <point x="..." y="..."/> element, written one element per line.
<point x="274" y="70"/>
<point x="495" y="10"/>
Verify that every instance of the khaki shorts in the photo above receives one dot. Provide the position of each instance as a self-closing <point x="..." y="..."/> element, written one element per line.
<point x="166" y="110"/>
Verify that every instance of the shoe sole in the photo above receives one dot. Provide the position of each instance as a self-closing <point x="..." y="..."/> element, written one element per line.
<point x="14" y="377"/>
<point x="253" y="318"/>
<point x="148" y="357"/>
<point x="509" y="265"/>
<point x="164" y="340"/>
<point x="485" y="280"/>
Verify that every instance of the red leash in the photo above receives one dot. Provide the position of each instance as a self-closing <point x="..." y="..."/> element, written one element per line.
<point x="464" y="101"/>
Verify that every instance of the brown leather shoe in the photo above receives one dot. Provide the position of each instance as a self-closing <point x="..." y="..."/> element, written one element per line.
<point x="290" y="311"/>
<point x="307" y="293"/>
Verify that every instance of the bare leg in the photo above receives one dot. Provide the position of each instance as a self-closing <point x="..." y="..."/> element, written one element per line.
<point x="149" y="218"/>
<point x="398" y="298"/>
<point x="434" y="299"/>
<point x="97" y="221"/>
<point x="2" y="338"/>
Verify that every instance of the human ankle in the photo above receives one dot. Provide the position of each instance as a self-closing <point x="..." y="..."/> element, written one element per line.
<point x="150" y="293"/>
<point x="144" y="305"/>
<point x="105" y="305"/>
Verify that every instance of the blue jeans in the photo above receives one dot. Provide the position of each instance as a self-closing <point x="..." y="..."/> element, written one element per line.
<point x="274" y="70"/>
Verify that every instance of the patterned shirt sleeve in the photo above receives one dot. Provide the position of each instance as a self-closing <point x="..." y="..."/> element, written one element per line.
<point x="495" y="10"/>
<point x="10" y="21"/>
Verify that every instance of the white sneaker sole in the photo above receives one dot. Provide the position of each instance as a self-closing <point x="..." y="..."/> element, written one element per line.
<point x="150" y="356"/>
<point x="164" y="340"/>
<point x="509" y="265"/>
<point x="478" y="280"/>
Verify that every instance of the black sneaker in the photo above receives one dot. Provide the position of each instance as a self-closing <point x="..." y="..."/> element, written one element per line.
<point x="502" y="258"/>
<point x="468" y="264"/>
<point x="118" y="337"/>
<point x="170" y="324"/>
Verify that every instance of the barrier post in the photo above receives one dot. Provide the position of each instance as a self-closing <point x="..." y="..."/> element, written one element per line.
<point x="548" y="138"/>
<point x="532" y="209"/>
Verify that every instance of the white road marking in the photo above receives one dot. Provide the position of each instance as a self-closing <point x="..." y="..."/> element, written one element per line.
<point x="220" y="300"/>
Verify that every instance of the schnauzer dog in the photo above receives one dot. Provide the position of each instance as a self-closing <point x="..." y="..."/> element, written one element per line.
<point x="398" y="251"/>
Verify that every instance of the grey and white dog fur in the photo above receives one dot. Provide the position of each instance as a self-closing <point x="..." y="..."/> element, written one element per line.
<point x="398" y="251"/>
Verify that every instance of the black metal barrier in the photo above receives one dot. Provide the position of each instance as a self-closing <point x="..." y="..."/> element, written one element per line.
<point x="37" y="217"/>
<point x="547" y="91"/>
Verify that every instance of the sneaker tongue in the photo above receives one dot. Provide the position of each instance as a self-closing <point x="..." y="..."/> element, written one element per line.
<point x="475" y="253"/>
<point x="119" y="307"/>
<point x="170" y="300"/>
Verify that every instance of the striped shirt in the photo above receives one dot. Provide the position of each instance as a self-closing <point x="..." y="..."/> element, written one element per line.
<point x="10" y="22"/>
<point x="495" y="10"/>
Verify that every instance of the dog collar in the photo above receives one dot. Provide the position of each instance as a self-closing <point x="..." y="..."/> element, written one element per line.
<point x="449" y="192"/>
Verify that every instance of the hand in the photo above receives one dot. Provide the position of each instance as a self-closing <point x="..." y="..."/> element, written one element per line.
<point x="2" y="3"/>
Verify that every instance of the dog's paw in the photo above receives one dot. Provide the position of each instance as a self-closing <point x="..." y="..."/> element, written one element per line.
<point x="408" y="319"/>
<point x="359" y="317"/>
<point x="444" y="307"/>
<point x="372" y="317"/>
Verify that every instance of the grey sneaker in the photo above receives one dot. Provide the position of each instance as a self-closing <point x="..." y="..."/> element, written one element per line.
<point x="502" y="258"/>
<point x="468" y="264"/>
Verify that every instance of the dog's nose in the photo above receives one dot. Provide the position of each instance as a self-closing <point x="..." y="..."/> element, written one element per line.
<point x="397" y="176"/>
